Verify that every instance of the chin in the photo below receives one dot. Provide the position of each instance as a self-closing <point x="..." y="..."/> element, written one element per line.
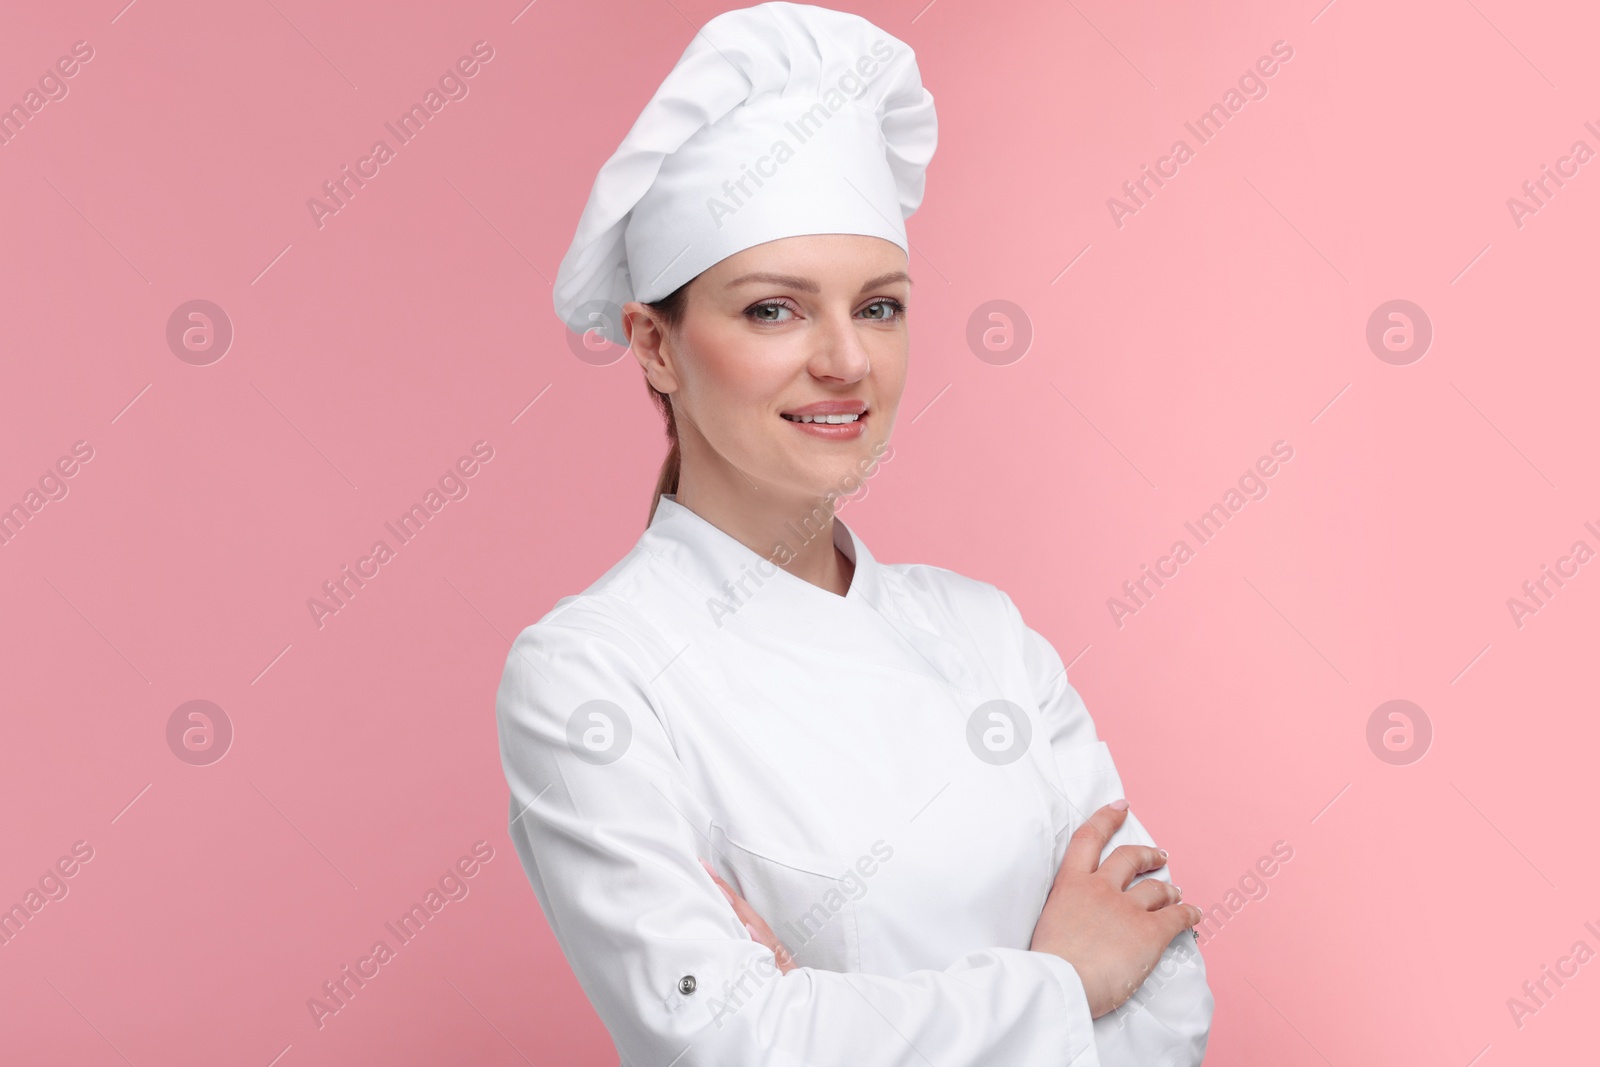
<point x="843" y="479"/>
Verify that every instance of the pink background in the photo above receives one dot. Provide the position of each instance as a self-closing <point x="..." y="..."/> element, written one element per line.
<point x="369" y="354"/>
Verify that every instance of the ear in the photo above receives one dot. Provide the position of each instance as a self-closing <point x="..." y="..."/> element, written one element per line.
<point x="647" y="340"/>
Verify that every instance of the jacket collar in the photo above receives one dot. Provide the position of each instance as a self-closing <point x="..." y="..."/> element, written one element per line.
<point x="737" y="575"/>
<point x="736" y="591"/>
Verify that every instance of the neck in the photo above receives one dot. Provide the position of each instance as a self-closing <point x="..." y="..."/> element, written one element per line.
<point x="794" y="532"/>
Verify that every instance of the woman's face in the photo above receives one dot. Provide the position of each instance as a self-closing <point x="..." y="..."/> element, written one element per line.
<point x="789" y="363"/>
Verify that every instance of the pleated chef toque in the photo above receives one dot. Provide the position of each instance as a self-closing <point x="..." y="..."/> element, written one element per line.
<point x="778" y="120"/>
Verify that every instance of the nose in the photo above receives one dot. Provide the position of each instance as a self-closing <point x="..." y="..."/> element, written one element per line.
<point x="839" y="353"/>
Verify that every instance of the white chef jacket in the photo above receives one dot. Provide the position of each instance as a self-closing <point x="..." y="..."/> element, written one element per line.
<point x="835" y="759"/>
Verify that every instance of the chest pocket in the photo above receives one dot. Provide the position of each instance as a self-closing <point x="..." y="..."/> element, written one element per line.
<point x="811" y="911"/>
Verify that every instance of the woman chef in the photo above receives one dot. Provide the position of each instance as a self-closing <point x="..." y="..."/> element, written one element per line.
<point x="781" y="803"/>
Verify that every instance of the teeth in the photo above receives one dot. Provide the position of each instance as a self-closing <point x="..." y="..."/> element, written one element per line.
<point x="822" y="418"/>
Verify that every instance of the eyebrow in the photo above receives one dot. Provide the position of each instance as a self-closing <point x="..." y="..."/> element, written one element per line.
<point x="806" y="285"/>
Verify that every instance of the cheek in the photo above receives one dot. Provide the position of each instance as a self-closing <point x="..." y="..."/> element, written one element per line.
<point x="889" y="366"/>
<point x="738" y="386"/>
<point x="732" y="385"/>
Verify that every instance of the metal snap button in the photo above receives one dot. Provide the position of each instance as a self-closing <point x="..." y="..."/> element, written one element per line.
<point x="686" y="984"/>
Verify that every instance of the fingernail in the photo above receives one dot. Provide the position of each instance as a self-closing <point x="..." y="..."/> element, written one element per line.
<point x="752" y="930"/>
<point x="707" y="866"/>
<point x="1119" y="805"/>
<point x="1163" y="852"/>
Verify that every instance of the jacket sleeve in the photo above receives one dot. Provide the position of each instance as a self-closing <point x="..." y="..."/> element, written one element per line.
<point x="1167" y="1021"/>
<point x="611" y="835"/>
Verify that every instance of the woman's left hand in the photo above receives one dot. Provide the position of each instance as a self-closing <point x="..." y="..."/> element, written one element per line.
<point x="753" y="922"/>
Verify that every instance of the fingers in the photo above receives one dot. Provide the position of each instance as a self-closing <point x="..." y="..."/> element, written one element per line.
<point x="1088" y="840"/>
<point x="760" y="931"/>
<point x="1178" y="918"/>
<point x="753" y="922"/>
<point x="1153" y="894"/>
<point x="1126" y="861"/>
<point x="727" y="890"/>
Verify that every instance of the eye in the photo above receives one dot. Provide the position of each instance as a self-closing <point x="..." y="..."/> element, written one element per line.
<point x="895" y="309"/>
<point x="757" y="312"/>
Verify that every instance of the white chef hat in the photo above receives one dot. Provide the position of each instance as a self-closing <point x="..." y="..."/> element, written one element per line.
<point x="778" y="120"/>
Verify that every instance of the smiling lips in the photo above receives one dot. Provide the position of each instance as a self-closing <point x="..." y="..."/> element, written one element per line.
<point x="833" y="420"/>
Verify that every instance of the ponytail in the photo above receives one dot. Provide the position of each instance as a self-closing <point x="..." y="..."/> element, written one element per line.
<point x="671" y="308"/>
<point x="667" y="480"/>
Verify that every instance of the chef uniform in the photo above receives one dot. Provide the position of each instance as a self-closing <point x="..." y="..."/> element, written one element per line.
<point x="888" y="777"/>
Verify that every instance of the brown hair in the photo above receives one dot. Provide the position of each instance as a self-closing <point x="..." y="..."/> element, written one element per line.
<point x="671" y="309"/>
